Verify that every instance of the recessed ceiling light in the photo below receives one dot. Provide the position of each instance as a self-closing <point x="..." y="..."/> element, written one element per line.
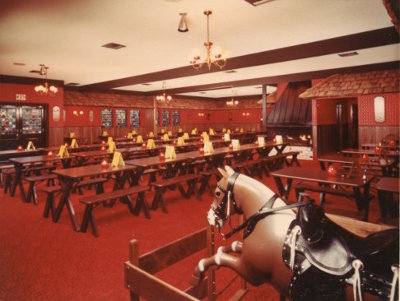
<point x="346" y="54"/>
<point x="19" y="64"/>
<point x="113" y="46"/>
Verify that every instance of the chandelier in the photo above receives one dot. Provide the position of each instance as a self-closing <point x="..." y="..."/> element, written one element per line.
<point x="164" y="97"/>
<point x="216" y="58"/>
<point x="45" y="89"/>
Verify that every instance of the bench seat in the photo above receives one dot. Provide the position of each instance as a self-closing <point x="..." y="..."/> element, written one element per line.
<point x="32" y="187"/>
<point x="52" y="190"/>
<point x="161" y="186"/>
<point x="93" y="201"/>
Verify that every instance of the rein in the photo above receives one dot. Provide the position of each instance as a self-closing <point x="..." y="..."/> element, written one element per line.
<point x="251" y="222"/>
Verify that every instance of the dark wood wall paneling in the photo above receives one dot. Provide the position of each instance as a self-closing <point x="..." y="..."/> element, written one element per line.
<point x="372" y="134"/>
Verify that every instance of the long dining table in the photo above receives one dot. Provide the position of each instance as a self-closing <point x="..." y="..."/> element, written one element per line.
<point x="20" y="162"/>
<point x="386" y="166"/>
<point x="356" y="182"/>
<point x="68" y="177"/>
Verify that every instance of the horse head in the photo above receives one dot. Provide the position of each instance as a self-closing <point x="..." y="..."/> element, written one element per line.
<point x="224" y="203"/>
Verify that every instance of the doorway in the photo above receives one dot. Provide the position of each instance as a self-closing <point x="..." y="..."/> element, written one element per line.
<point x="20" y="124"/>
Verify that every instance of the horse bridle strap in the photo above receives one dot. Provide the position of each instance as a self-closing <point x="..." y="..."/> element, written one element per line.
<point x="228" y="195"/>
<point x="263" y="212"/>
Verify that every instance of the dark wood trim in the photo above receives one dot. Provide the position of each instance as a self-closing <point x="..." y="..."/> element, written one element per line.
<point x="29" y="80"/>
<point x="295" y="77"/>
<point x="374" y="38"/>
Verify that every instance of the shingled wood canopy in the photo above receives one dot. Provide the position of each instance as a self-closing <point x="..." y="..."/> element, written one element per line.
<point x="354" y="84"/>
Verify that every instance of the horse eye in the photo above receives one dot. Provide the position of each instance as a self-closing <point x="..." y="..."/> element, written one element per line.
<point x="217" y="194"/>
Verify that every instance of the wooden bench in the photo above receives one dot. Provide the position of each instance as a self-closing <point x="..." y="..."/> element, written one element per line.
<point x="52" y="190"/>
<point x="251" y="168"/>
<point x="32" y="187"/>
<point x="161" y="186"/>
<point x="279" y="160"/>
<point x="205" y="180"/>
<point x="4" y="167"/>
<point x="323" y="190"/>
<point x="93" y="201"/>
<point x="7" y="174"/>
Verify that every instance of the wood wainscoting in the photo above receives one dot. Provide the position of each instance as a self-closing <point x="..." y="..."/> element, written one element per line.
<point x="375" y="134"/>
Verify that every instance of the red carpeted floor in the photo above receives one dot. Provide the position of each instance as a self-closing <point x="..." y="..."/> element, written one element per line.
<point x="41" y="260"/>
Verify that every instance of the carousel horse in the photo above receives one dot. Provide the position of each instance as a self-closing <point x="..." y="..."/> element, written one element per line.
<point x="304" y="255"/>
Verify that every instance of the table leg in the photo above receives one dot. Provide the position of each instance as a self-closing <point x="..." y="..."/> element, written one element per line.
<point x="64" y="201"/>
<point x="18" y="181"/>
<point x="283" y="190"/>
<point x="322" y="165"/>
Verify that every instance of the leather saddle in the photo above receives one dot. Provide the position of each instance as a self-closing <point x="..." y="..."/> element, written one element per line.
<point x="332" y="249"/>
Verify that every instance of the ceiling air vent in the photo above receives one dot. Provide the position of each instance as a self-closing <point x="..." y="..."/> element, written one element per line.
<point x="346" y="54"/>
<point x="146" y="84"/>
<point x="231" y="71"/>
<point x="72" y="84"/>
<point x="114" y="46"/>
<point x="19" y="64"/>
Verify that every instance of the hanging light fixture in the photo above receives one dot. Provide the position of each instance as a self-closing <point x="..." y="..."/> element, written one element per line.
<point x="182" y="27"/>
<point x="164" y="97"/>
<point x="216" y="58"/>
<point x="45" y="89"/>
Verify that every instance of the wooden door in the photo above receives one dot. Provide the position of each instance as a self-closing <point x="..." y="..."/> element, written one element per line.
<point x="20" y="124"/>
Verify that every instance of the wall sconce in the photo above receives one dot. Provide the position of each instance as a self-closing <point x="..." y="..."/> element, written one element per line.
<point x="245" y="114"/>
<point x="81" y="112"/>
<point x="379" y="109"/>
<point x="75" y="112"/>
<point x="201" y="114"/>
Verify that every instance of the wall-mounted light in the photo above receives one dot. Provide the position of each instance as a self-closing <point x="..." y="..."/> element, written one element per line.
<point x="75" y="112"/>
<point x="245" y="114"/>
<point x="201" y="114"/>
<point x="81" y="112"/>
<point x="379" y="109"/>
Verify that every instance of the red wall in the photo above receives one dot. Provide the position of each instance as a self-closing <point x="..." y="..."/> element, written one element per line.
<point x="366" y="110"/>
<point x="8" y="93"/>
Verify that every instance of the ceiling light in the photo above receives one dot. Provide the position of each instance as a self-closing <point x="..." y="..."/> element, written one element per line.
<point x="232" y="102"/>
<point x="19" y="64"/>
<point x="164" y="97"/>
<point x="114" y="46"/>
<point x="231" y="71"/>
<point x="215" y="57"/>
<point x="182" y="27"/>
<point x="45" y="89"/>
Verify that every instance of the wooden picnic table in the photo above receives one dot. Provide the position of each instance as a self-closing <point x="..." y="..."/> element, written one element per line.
<point x="386" y="166"/>
<point x="68" y="177"/>
<point x="333" y="184"/>
<point x="20" y="162"/>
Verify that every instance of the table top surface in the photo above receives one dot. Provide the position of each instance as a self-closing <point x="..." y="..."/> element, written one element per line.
<point x="388" y="184"/>
<point x="340" y="158"/>
<point x="156" y="160"/>
<point x="90" y="170"/>
<point x="318" y="175"/>
<point x="369" y="152"/>
<point x="34" y="159"/>
<point x="20" y="152"/>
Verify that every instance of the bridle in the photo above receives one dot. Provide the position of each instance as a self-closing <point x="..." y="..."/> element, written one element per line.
<point x="222" y="211"/>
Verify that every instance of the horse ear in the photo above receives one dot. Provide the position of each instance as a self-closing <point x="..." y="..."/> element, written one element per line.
<point x="223" y="172"/>
<point x="229" y="170"/>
